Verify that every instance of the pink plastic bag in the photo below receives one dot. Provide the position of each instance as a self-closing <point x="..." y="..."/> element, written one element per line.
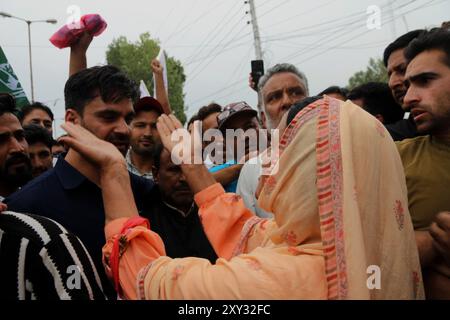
<point x="69" y="34"/>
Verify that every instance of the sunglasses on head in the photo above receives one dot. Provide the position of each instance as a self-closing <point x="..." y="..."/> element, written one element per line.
<point x="230" y="109"/>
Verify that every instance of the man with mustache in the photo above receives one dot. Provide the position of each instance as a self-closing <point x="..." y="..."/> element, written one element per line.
<point x="101" y="100"/>
<point x="38" y="257"/>
<point x="172" y="212"/>
<point x="282" y="86"/>
<point x="144" y="137"/>
<point x="395" y="62"/>
<point x="15" y="165"/>
<point x="39" y="148"/>
<point x="426" y="158"/>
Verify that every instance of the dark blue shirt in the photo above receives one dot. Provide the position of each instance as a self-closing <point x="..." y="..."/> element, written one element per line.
<point x="66" y="196"/>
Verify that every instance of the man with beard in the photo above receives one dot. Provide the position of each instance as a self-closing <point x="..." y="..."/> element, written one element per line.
<point x="395" y="62"/>
<point x="143" y="137"/>
<point x="15" y="166"/>
<point x="172" y="212"/>
<point x="39" y="149"/>
<point x="282" y="86"/>
<point x="101" y="100"/>
<point x="426" y="158"/>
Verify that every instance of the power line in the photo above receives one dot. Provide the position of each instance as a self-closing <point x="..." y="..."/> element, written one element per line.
<point x="220" y="90"/>
<point x="273" y="8"/>
<point x="362" y="33"/>
<point x="221" y="25"/>
<point x="193" y="22"/>
<point x="213" y="57"/>
<point x="336" y="35"/>
<point x="300" y="14"/>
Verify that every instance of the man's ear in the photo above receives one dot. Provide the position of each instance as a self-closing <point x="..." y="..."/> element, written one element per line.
<point x="72" y="116"/>
<point x="155" y="174"/>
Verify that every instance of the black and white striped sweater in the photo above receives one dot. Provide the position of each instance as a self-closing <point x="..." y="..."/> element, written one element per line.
<point x="39" y="259"/>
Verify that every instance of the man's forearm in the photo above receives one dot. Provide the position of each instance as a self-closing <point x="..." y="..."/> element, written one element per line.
<point x="161" y="93"/>
<point x="198" y="177"/>
<point x="118" y="200"/>
<point x="228" y="175"/>
<point x="78" y="62"/>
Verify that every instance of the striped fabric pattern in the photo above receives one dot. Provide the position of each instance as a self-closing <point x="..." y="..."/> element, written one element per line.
<point x="39" y="259"/>
<point x="329" y="187"/>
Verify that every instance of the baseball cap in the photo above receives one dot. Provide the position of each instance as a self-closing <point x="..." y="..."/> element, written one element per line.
<point x="233" y="110"/>
<point x="148" y="103"/>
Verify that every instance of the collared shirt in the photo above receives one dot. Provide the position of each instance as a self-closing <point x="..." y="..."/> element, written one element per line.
<point x="247" y="185"/>
<point x="63" y="194"/>
<point x="182" y="233"/>
<point x="184" y="214"/>
<point x="133" y="169"/>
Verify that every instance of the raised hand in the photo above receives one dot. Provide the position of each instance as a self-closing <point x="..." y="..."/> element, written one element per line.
<point x="102" y="154"/>
<point x="157" y="67"/>
<point x="82" y="45"/>
<point x="184" y="148"/>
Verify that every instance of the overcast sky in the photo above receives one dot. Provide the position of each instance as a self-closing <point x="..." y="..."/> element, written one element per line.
<point x="327" y="39"/>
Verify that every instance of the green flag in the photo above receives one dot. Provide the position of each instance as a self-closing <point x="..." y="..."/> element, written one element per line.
<point x="9" y="82"/>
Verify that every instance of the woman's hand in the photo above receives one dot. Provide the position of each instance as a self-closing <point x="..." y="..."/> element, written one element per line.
<point x="117" y="196"/>
<point x="183" y="148"/>
<point x="3" y="207"/>
<point x="101" y="154"/>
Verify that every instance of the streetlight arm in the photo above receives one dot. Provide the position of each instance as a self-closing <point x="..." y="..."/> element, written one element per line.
<point x="7" y="15"/>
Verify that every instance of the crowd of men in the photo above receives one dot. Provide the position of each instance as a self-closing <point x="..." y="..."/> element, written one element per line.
<point x="55" y="216"/>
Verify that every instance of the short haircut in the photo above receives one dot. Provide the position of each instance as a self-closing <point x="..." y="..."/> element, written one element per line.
<point x="205" y="111"/>
<point x="335" y="89"/>
<point x="438" y="39"/>
<point x="282" y="68"/>
<point x="7" y="104"/>
<point x="378" y="99"/>
<point x="400" y="43"/>
<point x="23" y="112"/>
<point x="192" y="120"/>
<point x="35" y="134"/>
<point x="108" y="82"/>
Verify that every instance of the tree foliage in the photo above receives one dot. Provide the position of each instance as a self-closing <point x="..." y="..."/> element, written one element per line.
<point x="134" y="59"/>
<point x="375" y="72"/>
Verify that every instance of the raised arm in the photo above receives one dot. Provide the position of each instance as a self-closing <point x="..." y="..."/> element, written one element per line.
<point x="78" y="51"/>
<point x="160" y="88"/>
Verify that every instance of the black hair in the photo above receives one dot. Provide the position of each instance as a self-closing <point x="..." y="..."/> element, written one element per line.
<point x="400" y="43"/>
<point x="24" y="111"/>
<point x="192" y="119"/>
<point x="7" y="104"/>
<point x="438" y="38"/>
<point x="205" y="111"/>
<point x="108" y="82"/>
<point x="377" y="99"/>
<point x="335" y="89"/>
<point x="299" y="106"/>
<point x="35" y="134"/>
<point x="157" y="155"/>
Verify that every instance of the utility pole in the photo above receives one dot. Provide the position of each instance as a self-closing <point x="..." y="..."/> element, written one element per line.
<point x="257" y="43"/>
<point x="256" y="37"/>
